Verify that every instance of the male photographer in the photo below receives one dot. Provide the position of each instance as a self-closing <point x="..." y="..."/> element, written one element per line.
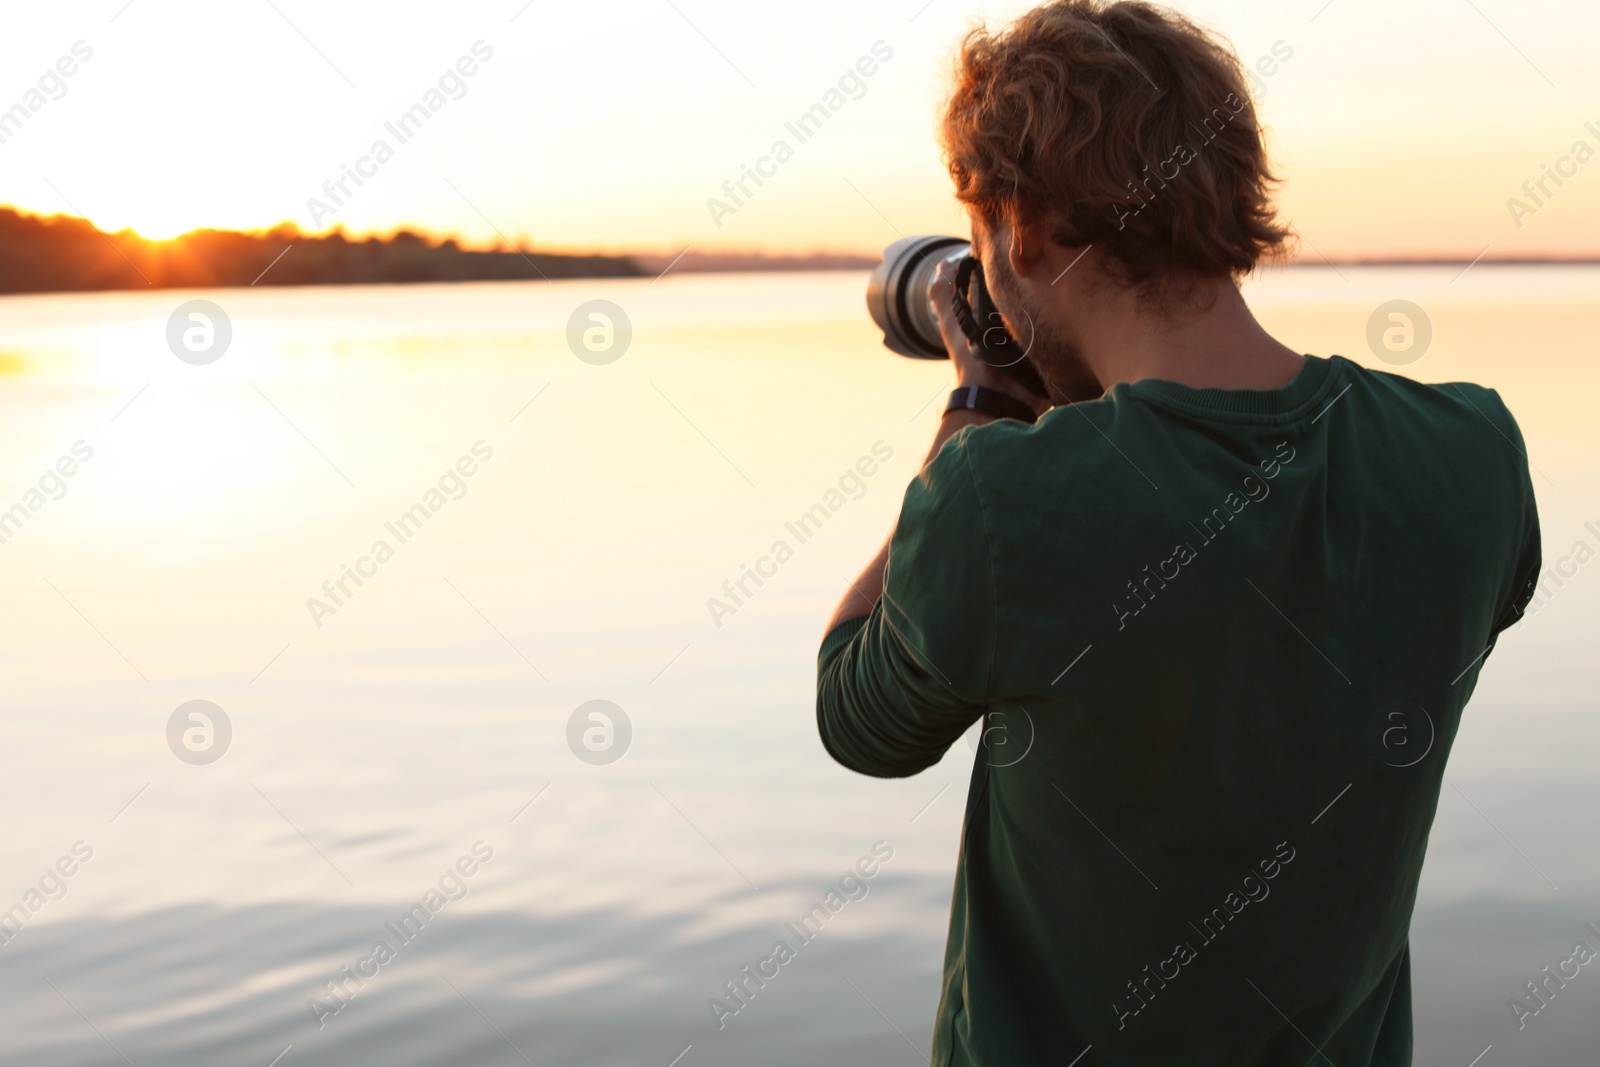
<point x="1221" y="606"/>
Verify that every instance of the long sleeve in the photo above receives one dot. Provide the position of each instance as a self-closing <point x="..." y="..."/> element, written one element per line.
<point x="898" y="687"/>
<point x="1530" y="555"/>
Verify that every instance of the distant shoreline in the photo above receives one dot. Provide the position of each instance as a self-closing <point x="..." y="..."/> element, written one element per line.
<point x="63" y="254"/>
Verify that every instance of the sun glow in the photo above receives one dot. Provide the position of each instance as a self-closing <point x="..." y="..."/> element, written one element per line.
<point x="152" y="217"/>
<point x="161" y="231"/>
<point x="153" y="223"/>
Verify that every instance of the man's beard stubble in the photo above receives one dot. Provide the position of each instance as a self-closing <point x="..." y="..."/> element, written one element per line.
<point x="1057" y="357"/>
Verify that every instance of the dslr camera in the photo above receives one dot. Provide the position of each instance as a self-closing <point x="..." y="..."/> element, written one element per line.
<point x="900" y="302"/>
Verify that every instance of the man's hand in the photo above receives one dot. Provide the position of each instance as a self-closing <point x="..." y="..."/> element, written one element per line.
<point x="970" y="366"/>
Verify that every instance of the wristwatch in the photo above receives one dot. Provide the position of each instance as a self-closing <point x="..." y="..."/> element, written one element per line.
<point x="990" y="402"/>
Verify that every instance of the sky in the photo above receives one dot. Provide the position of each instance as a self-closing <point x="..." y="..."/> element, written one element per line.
<point x="1400" y="128"/>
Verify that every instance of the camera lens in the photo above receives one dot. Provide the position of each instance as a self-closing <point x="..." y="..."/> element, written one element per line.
<point x="897" y="294"/>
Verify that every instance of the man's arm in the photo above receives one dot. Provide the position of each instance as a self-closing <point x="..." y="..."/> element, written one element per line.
<point x="897" y="686"/>
<point x="970" y="368"/>
<point x="903" y="672"/>
<point x="867" y="589"/>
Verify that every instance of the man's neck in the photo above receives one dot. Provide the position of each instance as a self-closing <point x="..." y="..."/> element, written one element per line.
<point x="1213" y="342"/>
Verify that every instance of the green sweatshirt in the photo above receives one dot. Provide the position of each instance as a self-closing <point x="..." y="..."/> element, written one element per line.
<point x="1222" y="640"/>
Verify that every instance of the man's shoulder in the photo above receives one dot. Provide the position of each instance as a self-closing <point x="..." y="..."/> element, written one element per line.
<point x="1444" y="402"/>
<point x="1068" y="436"/>
<point x="1116" y="449"/>
<point x="1091" y="455"/>
<point x="1459" y="425"/>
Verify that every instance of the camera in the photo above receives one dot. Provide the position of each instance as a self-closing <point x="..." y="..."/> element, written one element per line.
<point x="899" y="300"/>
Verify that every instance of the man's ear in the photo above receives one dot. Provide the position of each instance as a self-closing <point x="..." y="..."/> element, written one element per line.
<point x="1028" y="247"/>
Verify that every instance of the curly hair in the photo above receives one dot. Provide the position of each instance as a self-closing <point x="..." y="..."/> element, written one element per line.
<point x="1118" y="125"/>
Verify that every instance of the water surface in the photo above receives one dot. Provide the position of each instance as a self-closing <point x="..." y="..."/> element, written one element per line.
<point x="374" y="744"/>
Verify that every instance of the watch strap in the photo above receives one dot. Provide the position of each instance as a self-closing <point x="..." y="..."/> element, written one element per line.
<point x="989" y="402"/>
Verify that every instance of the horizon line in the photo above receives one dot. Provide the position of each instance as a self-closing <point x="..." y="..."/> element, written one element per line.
<point x="689" y="250"/>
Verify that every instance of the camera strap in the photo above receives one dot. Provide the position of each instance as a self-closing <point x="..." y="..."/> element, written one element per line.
<point x="986" y="329"/>
<point x="983" y="325"/>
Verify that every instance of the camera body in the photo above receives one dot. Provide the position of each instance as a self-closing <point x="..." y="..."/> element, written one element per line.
<point x="900" y="302"/>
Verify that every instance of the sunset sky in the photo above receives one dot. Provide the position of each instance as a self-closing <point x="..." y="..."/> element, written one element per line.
<point x="1401" y="128"/>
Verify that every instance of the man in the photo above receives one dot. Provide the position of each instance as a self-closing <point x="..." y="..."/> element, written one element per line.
<point x="1222" y="613"/>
